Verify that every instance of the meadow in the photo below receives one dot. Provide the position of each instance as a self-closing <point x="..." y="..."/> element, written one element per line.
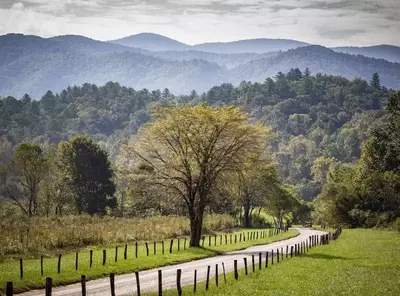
<point x="361" y="262"/>
<point x="37" y="236"/>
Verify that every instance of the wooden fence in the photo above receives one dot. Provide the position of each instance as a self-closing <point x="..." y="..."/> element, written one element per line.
<point x="181" y="244"/>
<point x="295" y="250"/>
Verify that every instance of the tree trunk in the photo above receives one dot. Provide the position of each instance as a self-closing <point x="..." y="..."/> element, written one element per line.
<point x="196" y="225"/>
<point x="246" y="215"/>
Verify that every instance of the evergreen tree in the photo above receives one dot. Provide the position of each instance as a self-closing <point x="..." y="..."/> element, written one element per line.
<point x="88" y="174"/>
<point x="376" y="81"/>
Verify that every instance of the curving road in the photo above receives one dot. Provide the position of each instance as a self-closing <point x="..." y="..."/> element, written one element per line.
<point x="126" y="284"/>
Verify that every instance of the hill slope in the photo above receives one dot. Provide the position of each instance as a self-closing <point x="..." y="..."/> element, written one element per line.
<point x="320" y="60"/>
<point x="30" y="64"/>
<point x="387" y="52"/>
<point x="150" y="41"/>
<point x="250" y="46"/>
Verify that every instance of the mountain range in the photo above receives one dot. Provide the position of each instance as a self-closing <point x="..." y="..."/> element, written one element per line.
<point x="33" y="65"/>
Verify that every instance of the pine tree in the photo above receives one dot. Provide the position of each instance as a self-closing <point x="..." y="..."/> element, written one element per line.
<point x="375" y="81"/>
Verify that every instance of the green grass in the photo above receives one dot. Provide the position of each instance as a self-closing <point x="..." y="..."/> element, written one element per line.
<point x="361" y="262"/>
<point x="9" y="269"/>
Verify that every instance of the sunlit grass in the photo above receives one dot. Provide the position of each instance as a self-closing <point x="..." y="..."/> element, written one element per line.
<point x="361" y="262"/>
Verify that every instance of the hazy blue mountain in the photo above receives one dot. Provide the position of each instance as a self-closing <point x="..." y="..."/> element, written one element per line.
<point x="387" y="52"/>
<point x="320" y="59"/>
<point x="250" y="46"/>
<point x="150" y="41"/>
<point x="33" y="65"/>
<point x="88" y="45"/>
<point x="228" y="61"/>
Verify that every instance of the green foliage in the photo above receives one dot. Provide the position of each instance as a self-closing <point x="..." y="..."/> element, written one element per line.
<point x="369" y="194"/>
<point x="313" y="116"/>
<point x="88" y="175"/>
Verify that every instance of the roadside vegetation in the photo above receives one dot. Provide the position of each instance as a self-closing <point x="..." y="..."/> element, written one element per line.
<point x="9" y="269"/>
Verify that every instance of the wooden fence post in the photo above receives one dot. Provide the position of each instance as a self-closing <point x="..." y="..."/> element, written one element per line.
<point x="170" y="246"/>
<point x="147" y="248"/>
<point x="21" y="268"/>
<point x="240" y="237"/>
<point x="208" y="277"/>
<point x="104" y="257"/>
<point x="295" y="249"/>
<point x="277" y="255"/>
<point x="59" y="264"/>
<point x="90" y="258"/>
<point x="235" y="269"/>
<point x="159" y="283"/>
<point x="179" y="244"/>
<point x="83" y="285"/>
<point x="235" y="238"/>
<point x="291" y="251"/>
<point x="162" y="247"/>
<point x="220" y="239"/>
<point x="9" y="289"/>
<point x="49" y="286"/>
<point x="245" y="265"/>
<point x="215" y="240"/>
<point x="272" y="257"/>
<point x="230" y="238"/>
<point x="223" y="270"/>
<point x="244" y="236"/>
<point x="209" y="240"/>
<point x="259" y="260"/>
<point x="136" y="249"/>
<point x="195" y="281"/>
<point x="155" y="248"/>
<point x="184" y="244"/>
<point x="112" y="284"/>
<point x="216" y="275"/>
<point x="116" y="254"/>
<point x="178" y="281"/>
<point x="266" y="260"/>
<point x="287" y="251"/>
<point x="76" y="260"/>
<point x="226" y="239"/>
<point x="41" y="266"/>
<point x="253" y="263"/>
<point x="281" y="253"/>
<point x="137" y="283"/>
<point x="126" y="252"/>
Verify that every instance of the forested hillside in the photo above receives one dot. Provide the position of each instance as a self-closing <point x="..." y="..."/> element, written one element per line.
<point x="30" y="64"/>
<point x="312" y="116"/>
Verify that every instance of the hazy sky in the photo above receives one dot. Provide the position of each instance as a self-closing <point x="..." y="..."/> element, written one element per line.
<point x="330" y="23"/>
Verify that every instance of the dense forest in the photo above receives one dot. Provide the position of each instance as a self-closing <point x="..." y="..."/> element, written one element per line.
<point x="312" y="116"/>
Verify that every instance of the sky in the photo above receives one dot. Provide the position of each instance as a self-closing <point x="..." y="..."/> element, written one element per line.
<point x="329" y="23"/>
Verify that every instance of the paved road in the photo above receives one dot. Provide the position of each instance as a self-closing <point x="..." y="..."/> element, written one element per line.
<point x="126" y="284"/>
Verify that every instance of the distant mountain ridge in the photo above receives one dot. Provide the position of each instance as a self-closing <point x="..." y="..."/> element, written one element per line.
<point x="155" y="42"/>
<point x="33" y="65"/>
<point x="387" y="52"/>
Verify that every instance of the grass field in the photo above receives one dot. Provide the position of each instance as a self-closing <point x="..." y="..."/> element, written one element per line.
<point x="9" y="269"/>
<point x="361" y="262"/>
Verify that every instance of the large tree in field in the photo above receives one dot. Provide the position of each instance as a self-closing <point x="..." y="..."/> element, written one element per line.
<point x="86" y="172"/>
<point x="191" y="149"/>
<point x="23" y="176"/>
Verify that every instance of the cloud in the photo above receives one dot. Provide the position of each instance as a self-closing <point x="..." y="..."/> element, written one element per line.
<point x="331" y="23"/>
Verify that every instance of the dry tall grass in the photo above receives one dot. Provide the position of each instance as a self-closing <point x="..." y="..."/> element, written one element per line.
<point x="39" y="235"/>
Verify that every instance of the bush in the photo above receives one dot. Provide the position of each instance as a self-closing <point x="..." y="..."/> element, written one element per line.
<point x="396" y="224"/>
